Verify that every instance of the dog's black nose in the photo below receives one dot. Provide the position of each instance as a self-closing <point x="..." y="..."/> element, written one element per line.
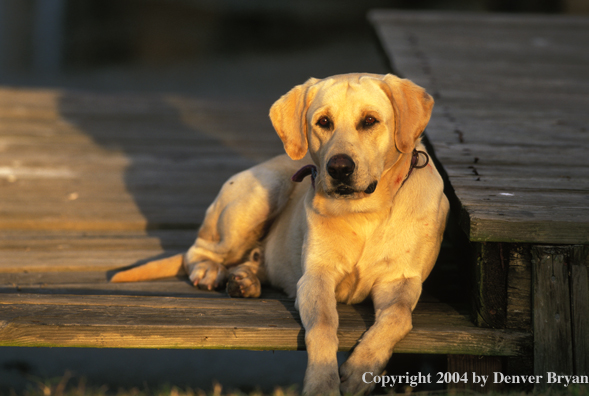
<point x="340" y="166"/>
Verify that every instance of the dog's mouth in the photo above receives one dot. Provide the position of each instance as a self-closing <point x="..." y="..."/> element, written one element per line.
<point x="344" y="190"/>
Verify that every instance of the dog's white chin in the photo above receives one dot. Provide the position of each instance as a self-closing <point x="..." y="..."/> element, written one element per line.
<point x="350" y="192"/>
<point x="334" y="194"/>
<point x="354" y="195"/>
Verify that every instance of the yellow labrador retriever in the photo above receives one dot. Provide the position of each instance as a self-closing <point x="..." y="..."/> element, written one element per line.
<point x="367" y="223"/>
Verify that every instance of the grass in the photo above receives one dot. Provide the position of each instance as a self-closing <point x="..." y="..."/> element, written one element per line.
<point x="63" y="386"/>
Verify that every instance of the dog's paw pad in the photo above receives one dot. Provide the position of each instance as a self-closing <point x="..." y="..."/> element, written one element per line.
<point x="233" y="288"/>
<point x="240" y="286"/>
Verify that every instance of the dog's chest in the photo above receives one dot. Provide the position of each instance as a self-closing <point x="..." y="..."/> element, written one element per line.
<point x="352" y="289"/>
<point x="376" y="259"/>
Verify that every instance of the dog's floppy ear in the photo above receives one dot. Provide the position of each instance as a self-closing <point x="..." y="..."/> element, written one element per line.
<point x="288" y="115"/>
<point x="413" y="108"/>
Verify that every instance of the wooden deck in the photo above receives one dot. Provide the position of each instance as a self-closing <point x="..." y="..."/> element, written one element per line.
<point x="92" y="183"/>
<point x="510" y="124"/>
<point x="511" y="129"/>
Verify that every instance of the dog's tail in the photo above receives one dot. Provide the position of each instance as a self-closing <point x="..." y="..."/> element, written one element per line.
<point x="164" y="268"/>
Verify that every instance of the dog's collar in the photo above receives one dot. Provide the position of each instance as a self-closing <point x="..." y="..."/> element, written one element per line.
<point x="415" y="161"/>
<point x="304" y="172"/>
<point x="307" y="170"/>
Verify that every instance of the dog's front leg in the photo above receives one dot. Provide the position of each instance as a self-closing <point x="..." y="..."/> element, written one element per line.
<point x="393" y="304"/>
<point x="317" y="306"/>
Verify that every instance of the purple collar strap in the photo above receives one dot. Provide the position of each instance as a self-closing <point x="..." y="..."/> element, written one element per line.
<point x="414" y="162"/>
<point x="304" y="172"/>
<point x="307" y="170"/>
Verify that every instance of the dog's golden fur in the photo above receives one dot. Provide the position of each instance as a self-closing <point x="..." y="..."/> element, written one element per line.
<point x="341" y="240"/>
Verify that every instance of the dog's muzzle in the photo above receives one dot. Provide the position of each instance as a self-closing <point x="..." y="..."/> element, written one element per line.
<point x="341" y="167"/>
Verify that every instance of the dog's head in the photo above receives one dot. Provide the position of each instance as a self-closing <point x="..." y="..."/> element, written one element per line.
<point x="355" y="127"/>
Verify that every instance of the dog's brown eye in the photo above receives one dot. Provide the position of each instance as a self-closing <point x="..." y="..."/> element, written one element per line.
<point x="324" y="122"/>
<point x="368" y="121"/>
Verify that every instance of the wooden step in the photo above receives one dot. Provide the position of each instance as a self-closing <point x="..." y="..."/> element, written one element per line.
<point x="54" y="291"/>
<point x="145" y="316"/>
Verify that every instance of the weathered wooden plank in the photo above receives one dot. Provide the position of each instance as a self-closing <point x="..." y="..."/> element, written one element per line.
<point x="495" y="172"/>
<point x="427" y="308"/>
<point x="500" y="136"/>
<point x="553" y="346"/>
<point x="509" y="152"/>
<point x="199" y="300"/>
<point x="515" y="132"/>
<point x="88" y="285"/>
<point x="248" y="324"/>
<point x="485" y="224"/>
<point x="234" y="337"/>
<point x="580" y="308"/>
<point x="163" y="194"/>
<point x="536" y="200"/>
<point x="490" y="297"/>
<point x="563" y="183"/>
<point x="116" y="222"/>
<point x="519" y="287"/>
<point x="76" y="260"/>
<point x="51" y="241"/>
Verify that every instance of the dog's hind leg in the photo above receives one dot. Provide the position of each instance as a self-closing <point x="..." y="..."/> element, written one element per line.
<point x="237" y="220"/>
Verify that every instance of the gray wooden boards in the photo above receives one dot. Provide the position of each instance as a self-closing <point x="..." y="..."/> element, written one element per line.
<point x="81" y="161"/>
<point x="561" y="304"/>
<point x="121" y="321"/>
<point x="54" y="292"/>
<point x="510" y="124"/>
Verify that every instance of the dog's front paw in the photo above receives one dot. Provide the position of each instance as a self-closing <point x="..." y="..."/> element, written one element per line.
<point x="356" y="377"/>
<point x="207" y="275"/>
<point x="321" y="379"/>
<point x="243" y="283"/>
